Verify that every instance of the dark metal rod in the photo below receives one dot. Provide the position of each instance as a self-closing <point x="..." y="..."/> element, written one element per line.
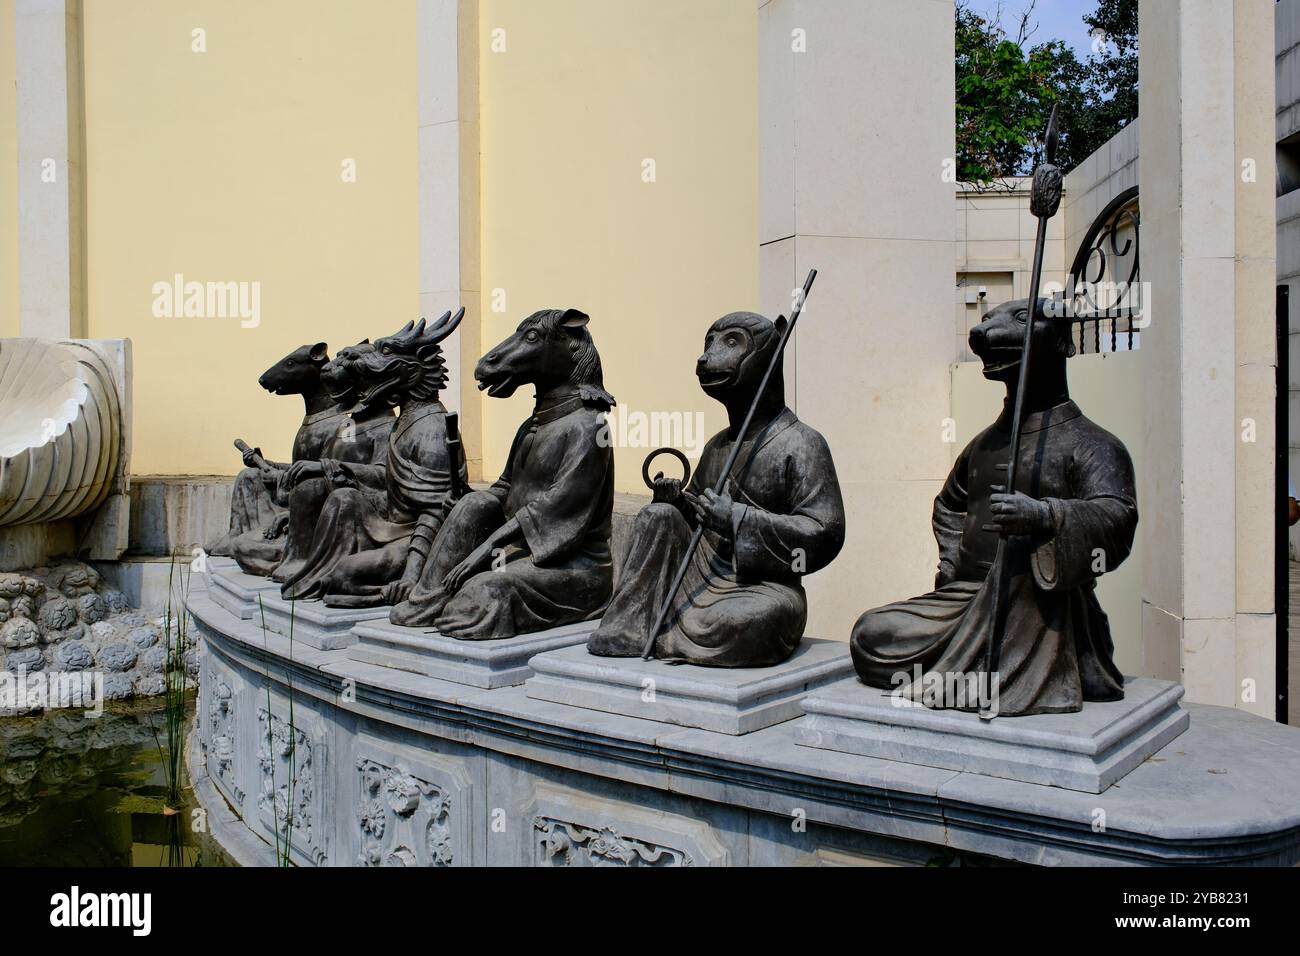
<point x="999" y="570"/>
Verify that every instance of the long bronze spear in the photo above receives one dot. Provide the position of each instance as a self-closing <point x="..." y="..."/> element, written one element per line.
<point x="730" y="463"/>
<point x="1044" y="200"/>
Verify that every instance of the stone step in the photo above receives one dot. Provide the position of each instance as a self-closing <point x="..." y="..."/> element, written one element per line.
<point x="1087" y="751"/>
<point x="487" y="664"/>
<point x="722" y="699"/>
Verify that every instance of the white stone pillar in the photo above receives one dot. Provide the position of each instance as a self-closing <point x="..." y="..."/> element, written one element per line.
<point x="51" y="177"/>
<point x="447" y="51"/>
<point x="1206" y="105"/>
<point x="856" y="106"/>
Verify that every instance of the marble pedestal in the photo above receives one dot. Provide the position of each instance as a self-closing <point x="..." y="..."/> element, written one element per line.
<point x="487" y="664"/>
<point x="576" y="786"/>
<point x="1086" y="751"/>
<point x="237" y="591"/>
<point x="722" y="699"/>
<point x="314" y="624"/>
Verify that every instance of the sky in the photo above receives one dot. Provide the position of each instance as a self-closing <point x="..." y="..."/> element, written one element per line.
<point x="1056" y="19"/>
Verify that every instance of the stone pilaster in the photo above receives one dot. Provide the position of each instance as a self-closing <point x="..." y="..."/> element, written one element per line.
<point x="856" y="130"/>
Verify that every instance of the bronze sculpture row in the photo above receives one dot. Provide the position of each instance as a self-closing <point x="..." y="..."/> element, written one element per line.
<point x="376" y="509"/>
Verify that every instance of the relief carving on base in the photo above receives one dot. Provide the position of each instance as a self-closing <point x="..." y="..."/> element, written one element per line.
<point x="287" y="802"/>
<point x="561" y="843"/>
<point x="404" y="820"/>
<point x="219" y="743"/>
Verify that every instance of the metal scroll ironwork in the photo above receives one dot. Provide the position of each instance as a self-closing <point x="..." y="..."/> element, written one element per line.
<point x="1104" y="289"/>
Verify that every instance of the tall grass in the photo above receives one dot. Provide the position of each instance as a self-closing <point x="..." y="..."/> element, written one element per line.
<point x="283" y="848"/>
<point x="175" y="688"/>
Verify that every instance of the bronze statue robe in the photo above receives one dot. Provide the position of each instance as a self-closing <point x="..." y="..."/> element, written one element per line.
<point x="280" y="557"/>
<point x="559" y="484"/>
<point x="363" y="533"/>
<point x="1057" y="651"/>
<point x="742" y="603"/>
<point x="255" y="505"/>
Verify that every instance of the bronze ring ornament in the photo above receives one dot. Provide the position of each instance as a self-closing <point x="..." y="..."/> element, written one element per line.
<point x="645" y="466"/>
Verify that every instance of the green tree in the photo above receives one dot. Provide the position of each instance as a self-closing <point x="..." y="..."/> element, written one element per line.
<point x="1111" y="86"/>
<point x="1006" y="89"/>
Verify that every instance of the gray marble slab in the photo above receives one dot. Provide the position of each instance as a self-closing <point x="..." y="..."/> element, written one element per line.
<point x="1088" y="750"/>
<point x="235" y="590"/>
<point x="721" y="699"/>
<point x="314" y="624"/>
<point x="486" y="664"/>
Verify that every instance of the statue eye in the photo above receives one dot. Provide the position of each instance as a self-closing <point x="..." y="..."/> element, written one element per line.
<point x="530" y="335"/>
<point x="733" y="340"/>
<point x="386" y="350"/>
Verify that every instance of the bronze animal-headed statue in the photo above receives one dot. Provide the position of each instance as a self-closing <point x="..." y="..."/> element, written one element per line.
<point x="1071" y="516"/>
<point x="380" y="518"/>
<point x="781" y="516"/>
<point x="532" y="552"/>
<point x="258" y="507"/>
<point x="361" y="438"/>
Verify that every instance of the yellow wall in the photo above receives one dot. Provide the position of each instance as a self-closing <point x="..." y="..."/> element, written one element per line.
<point x="226" y="166"/>
<point x="8" y="176"/>
<point x="583" y="93"/>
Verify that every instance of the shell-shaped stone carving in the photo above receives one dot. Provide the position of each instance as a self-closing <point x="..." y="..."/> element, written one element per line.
<point x="60" y="429"/>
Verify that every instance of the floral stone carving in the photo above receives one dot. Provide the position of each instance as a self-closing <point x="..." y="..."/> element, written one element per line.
<point x="404" y="820"/>
<point x="220" y="748"/>
<point x="560" y="843"/>
<point x="287" y="802"/>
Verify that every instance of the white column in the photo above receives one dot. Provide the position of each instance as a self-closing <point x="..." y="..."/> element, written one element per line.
<point x="856" y="109"/>
<point x="448" y="149"/>
<point x="1208" y="252"/>
<point x="51" y="243"/>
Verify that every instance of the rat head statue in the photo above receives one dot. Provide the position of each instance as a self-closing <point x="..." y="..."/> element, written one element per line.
<point x="341" y="375"/>
<point x="298" y="373"/>
<point x="737" y="350"/>
<point x="551" y="348"/>
<point x="406" y="366"/>
<point x="999" y="341"/>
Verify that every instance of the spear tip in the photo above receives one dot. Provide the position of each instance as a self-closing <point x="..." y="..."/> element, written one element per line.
<point x="1053" y="136"/>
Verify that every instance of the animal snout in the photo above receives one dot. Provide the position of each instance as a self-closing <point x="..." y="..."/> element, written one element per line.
<point x="978" y="337"/>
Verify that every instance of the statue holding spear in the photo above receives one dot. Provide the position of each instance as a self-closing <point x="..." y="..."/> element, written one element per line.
<point x="1036" y="508"/>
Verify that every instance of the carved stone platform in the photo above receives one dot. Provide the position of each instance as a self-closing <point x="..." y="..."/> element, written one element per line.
<point x="1086" y="751"/>
<point x="722" y="699"/>
<point x="579" y="786"/>
<point x="314" y="624"/>
<point x="486" y="664"/>
<point x="237" y="591"/>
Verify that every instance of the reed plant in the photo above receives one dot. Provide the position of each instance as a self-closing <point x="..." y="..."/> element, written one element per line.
<point x="176" y="688"/>
<point x="283" y="847"/>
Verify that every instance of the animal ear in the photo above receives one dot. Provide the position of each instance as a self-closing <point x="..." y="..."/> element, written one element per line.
<point x="426" y="353"/>
<point x="320" y="352"/>
<point x="780" y="323"/>
<point x="573" y="319"/>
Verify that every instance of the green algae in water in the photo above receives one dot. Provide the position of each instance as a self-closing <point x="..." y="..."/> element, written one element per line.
<point x="79" y="791"/>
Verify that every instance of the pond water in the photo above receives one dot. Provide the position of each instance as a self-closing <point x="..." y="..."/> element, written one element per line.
<point x="82" y="791"/>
